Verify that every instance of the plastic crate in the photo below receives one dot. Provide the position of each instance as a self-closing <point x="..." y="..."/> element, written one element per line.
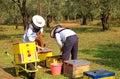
<point x="75" y="68"/>
<point x="43" y="54"/>
<point x="99" y="74"/>
<point x="24" y="52"/>
<point x="53" y="59"/>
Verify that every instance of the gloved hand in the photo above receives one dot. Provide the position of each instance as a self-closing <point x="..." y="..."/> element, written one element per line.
<point x="40" y="41"/>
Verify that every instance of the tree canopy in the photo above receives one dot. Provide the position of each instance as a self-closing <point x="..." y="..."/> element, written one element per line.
<point x="59" y="10"/>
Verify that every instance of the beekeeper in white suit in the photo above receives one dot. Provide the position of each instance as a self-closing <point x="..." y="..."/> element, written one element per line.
<point x="34" y="30"/>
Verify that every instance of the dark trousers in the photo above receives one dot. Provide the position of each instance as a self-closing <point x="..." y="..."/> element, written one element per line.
<point x="70" y="47"/>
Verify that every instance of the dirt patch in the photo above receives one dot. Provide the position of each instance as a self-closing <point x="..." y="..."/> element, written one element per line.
<point x="70" y="24"/>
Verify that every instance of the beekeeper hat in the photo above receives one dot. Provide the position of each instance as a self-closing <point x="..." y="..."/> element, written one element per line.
<point x="38" y="20"/>
<point x="52" y="33"/>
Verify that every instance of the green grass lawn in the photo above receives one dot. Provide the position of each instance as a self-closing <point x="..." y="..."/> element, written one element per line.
<point x="101" y="48"/>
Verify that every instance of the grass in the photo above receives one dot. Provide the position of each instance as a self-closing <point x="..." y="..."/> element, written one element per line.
<point x="101" y="48"/>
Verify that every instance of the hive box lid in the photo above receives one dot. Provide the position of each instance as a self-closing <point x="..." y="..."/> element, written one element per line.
<point x="77" y="62"/>
<point x="99" y="73"/>
<point x="45" y="50"/>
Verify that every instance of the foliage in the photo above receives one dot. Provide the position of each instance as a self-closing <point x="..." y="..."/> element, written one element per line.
<point x="8" y="12"/>
<point x="60" y="9"/>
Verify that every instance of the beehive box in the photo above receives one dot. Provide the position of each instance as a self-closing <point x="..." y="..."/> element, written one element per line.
<point x="99" y="74"/>
<point x="75" y="68"/>
<point x="24" y="52"/>
<point x="53" y="59"/>
<point x="43" y="54"/>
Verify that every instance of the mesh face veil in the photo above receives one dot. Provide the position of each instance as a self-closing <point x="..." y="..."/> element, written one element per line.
<point x="52" y="33"/>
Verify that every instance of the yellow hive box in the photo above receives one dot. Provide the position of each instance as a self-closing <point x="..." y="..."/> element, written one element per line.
<point x="43" y="54"/>
<point x="25" y="52"/>
<point x="99" y="74"/>
<point x="53" y="59"/>
<point x="75" y="68"/>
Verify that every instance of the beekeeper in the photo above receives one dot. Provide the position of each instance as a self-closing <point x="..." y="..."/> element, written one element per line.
<point x="67" y="41"/>
<point x="35" y="30"/>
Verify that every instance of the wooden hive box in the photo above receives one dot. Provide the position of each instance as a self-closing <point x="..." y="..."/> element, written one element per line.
<point x="75" y="68"/>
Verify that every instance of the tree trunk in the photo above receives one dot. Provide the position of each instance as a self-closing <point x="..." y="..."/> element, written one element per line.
<point x="25" y="21"/>
<point x="91" y="17"/>
<point x="68" y="18"/>
<point x="84" y="20"/>
<point x="49" y="19"/>
<point x="40" y="7"/>
<point x="22" y="7"/>
<point x="16" y="23"/>
<point x="104" y="20"/>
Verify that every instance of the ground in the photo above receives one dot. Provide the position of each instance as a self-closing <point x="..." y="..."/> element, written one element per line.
<point x="70" y="24"/>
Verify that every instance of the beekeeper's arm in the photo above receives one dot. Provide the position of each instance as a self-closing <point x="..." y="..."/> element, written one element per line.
<point x="58" y="39"/>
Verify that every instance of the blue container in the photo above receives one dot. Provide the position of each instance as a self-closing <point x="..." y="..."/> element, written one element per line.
<point x="99" y="74"/>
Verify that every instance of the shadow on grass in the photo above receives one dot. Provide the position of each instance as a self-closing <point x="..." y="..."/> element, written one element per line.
<point x="2" y="37"/>
<point x="11" y="70"/>
<point x="109" y="55"/>
<point x="84" y="29"/>
<point x="87" y="29"/>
